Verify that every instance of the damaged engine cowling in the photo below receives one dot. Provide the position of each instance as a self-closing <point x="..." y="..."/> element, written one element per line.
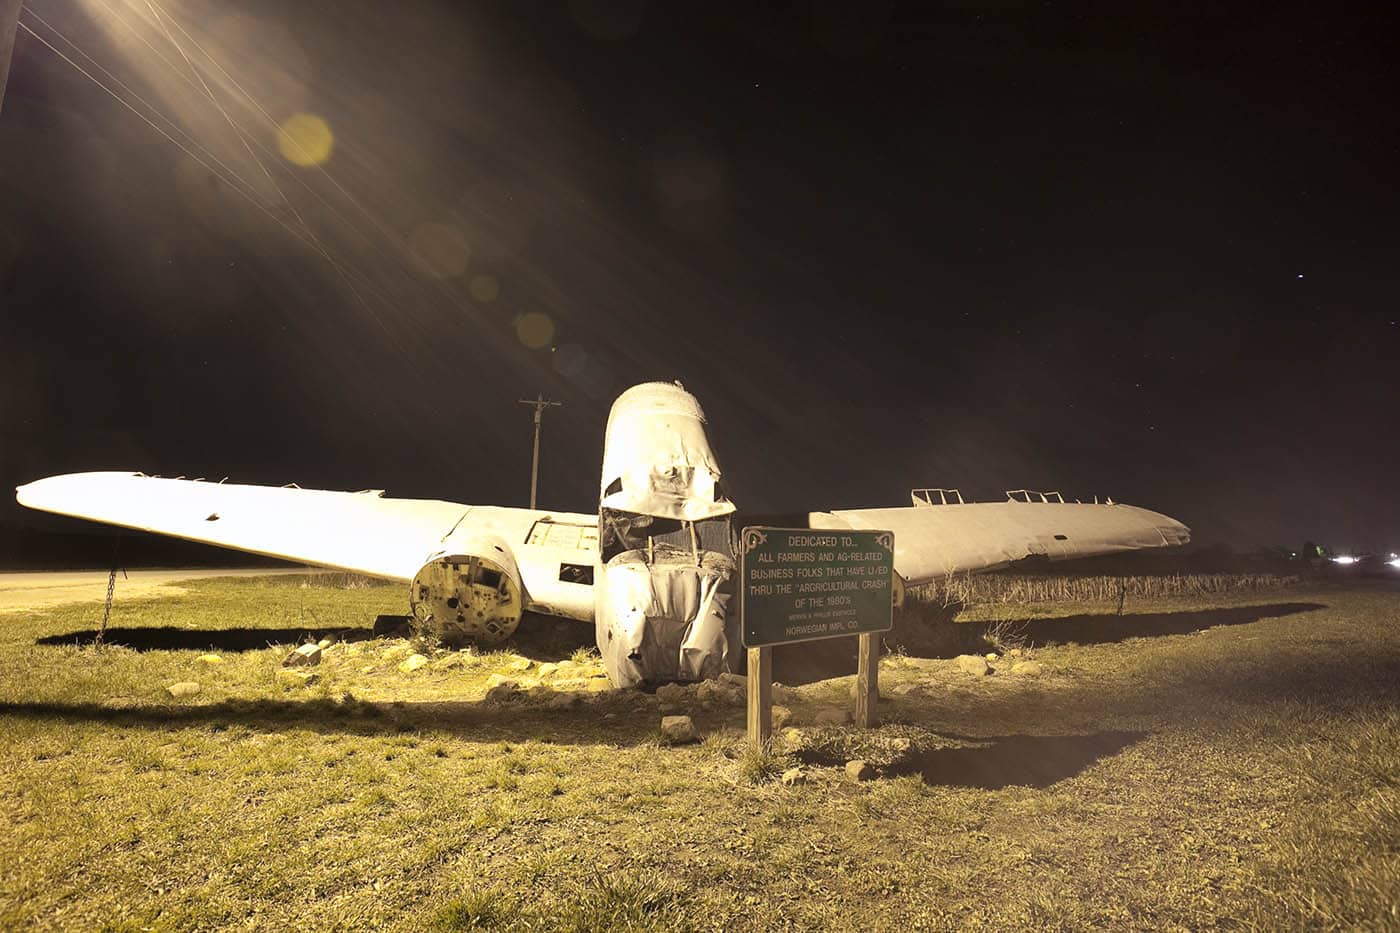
<point x="667" y="569"/>
<point x="468" y="592"/>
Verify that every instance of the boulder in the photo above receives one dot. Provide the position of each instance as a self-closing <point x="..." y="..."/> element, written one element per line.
<point x="209" y="659"/>
<point x="677" y="729"/>
<point x="832" y="716"/>
<point x="793" y="776"/>
<point x="781" y="716"/>
<point x="714" y="691"/>
<point x="1027" y="668"/>
<point x="972" y="664"/>
<point x="859" y="770"/>
<point x="305" y="656"/>
<point x="502" y="690"/>
<point x="296" y="678"/>
<point x="412" y="663"/>
<point x="184" y="689"/>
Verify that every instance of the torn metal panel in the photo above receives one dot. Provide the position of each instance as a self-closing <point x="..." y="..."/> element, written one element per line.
<point x="933" y="541"/>
<point x="471" y="591"/>
<point x="656" y="458"/>
<point x="662" y="616"/>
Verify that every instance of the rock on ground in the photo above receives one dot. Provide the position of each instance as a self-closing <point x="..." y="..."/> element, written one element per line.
<point x="412" y="663"/>
<point x="858" y="770"/>
<point x="209" y="659"/>
<point x="296" y="678"/>
<point x="521" y="664"/>
<point x="304" y="656"/>
<point x="972" y="664"/>
<point x="734" y="680"/>
<point x="502" y="690"/>
<point x="547" y="668"/>
<point x="672" y="694"/>
<point x="185" y="688"/>
<point x="714" y="691"/>
<point x="677" y="729"/>
<point x="1028" y="668"/>
<point x="794" y="776"/>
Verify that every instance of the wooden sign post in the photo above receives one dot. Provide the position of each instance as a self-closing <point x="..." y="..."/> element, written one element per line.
<point x="802" y="584"/>
<point x="760" y="697"/>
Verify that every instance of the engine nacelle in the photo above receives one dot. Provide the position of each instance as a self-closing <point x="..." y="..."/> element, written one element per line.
<point x="468" y="592"/>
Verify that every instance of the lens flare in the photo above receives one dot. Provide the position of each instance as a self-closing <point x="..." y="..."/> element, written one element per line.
<point x="535" y="330"/>
<point x="305" y="139"/>
<point x="484" y="288"/>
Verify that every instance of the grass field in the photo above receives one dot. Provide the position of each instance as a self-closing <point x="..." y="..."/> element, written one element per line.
<point x="1193" y="764"/>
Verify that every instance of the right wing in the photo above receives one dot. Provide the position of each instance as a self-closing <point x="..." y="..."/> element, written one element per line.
<point x="933" y="541"/>
<point x="362" y="532"/>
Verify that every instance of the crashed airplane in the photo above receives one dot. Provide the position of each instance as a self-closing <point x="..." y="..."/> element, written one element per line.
<point x="654" y="570"/>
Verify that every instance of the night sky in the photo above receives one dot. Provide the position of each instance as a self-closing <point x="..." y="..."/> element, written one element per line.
<point x="1119" y="249"/>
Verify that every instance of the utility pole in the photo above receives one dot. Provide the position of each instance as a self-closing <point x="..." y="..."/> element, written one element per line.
<point x="539" y="403"/>
<point x="9" y="21"/>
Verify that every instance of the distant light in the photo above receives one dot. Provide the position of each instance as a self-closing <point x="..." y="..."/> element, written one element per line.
<point x="305" y="139"/>
<point x="1300" y="276"/>
<point x="535" y="330"/>
<point x="1344" y="560"/>
<point x="1394" y="562"/>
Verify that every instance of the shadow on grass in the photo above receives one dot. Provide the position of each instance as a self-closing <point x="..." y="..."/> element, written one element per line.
<point x="542" y="638"/>
<point x="1109" y="628"/>
<point x="995" y="762"/>
<point x="582" y="724"/>
<point x="231" y="640"/>
<point x="930" y="632"/>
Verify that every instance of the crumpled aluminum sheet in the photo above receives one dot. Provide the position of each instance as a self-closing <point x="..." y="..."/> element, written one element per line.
<point x="656" y="449"/>
<point x="667" y="620"/>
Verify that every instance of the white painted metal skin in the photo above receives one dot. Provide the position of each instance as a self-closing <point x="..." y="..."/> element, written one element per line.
<point x="656" y="458"/>
<point x="362" y="532"/>
<point x="933" y="541"/>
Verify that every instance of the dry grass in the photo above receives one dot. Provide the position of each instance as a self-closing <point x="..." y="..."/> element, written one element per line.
<point x="1001" y="589"/>
<point x="1238" y="766"/>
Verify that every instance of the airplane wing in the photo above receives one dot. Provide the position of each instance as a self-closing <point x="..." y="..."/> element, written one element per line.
<point x="362" y="532"/>
<point x="937" y="540"/>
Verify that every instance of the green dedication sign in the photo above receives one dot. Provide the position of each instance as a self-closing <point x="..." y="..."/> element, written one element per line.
<point x="805" y="583"/>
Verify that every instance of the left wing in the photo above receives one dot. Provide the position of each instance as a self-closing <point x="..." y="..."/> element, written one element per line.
<point x="933" y="541"/>
<point x="363" y="532"/>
